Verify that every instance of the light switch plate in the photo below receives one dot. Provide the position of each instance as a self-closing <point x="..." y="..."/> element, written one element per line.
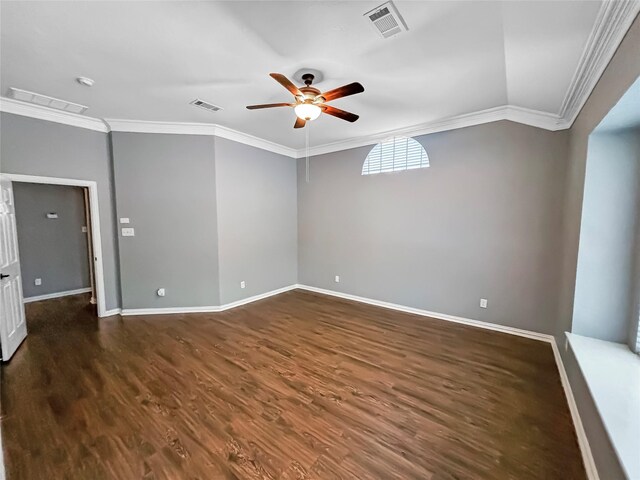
<point x="38" y="281"/>
<point x="483" y="303"/>
<point x="84" y="229"/>
<point x="128" y="232"/>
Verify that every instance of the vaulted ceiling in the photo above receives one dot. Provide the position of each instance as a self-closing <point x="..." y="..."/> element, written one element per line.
<point x="150" y="59"/>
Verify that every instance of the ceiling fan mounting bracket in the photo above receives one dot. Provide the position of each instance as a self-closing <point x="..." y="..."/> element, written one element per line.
<point x="308" y="79"/>
<point x="298" y="76"/>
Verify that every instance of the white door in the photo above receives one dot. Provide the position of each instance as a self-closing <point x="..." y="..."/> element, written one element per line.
<point x="13" y="327"/>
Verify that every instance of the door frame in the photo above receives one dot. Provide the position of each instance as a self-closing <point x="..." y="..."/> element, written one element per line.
<point x="96" y="238"/>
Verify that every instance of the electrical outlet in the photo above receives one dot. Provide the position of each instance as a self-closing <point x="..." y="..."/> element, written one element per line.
<point x="128" y="232"/>
<point x="161" y="292"/>
<point x="84" y="229"/>
<point x="38" y="281"/>
<point x="242" y="284"/>
<point x="483" y="303"/>
<point x="337" y="279"/>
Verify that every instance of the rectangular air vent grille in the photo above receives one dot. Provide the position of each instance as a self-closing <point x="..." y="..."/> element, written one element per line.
<point x="206" y="105"/>
<point x="46" y="101"/>
<point x="387" y="20"/>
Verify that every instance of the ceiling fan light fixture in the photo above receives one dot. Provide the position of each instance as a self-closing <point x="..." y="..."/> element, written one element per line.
<point x="310" y="102"/>
<point x="307" y="111"/>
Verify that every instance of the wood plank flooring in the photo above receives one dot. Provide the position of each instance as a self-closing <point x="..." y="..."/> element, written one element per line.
<point x="298" y="386"/>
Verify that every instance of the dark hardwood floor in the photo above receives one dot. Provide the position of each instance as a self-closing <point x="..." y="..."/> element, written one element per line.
<point x="298" y="386"/>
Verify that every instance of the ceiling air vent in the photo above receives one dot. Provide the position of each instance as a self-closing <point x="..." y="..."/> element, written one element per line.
<point x="387" y="20"/>
<point x="206" y="105"/>
<point x="46" y="101"/>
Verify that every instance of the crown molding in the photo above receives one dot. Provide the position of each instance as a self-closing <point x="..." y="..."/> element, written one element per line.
<point x="145" y="126"/>
<point x="254" y="141"/>
<point x="522" y="115"/>
<point x="212" y="129"/>
<point x="40" y="112"/>
<point x="612" y="23"/>
<point x="534" y="118"/>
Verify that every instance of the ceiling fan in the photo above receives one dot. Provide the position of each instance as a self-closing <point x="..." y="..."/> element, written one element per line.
<point x="310" y="102"/>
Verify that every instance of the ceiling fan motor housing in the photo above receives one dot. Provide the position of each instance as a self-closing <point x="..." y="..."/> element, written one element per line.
<point x="310" y="94"/>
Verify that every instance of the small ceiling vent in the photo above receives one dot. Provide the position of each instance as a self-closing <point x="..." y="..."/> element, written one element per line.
<point x="46" y="101"/>
<point x="206" y="105"/>
<point x="387" y="20"/>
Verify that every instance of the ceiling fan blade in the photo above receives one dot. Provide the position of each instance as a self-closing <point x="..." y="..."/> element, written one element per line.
<point x="269" y="105"/>
<point x="336" y="112"/>
<point x="299" y="123"/>
<point x="343" y="91"/>
<point x="286" y="83"/>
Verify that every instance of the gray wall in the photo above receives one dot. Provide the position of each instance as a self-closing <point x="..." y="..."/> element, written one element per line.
<point x="481" y="222"/>
<point x="257" y="220"/>
<point x="622" y="71"/>
<point x="54" y="250"/>
<point x="605" y="283"/>
<point x="36" y="147"/>
<point x="620" y="74"/>
<point x="165" y="185"/>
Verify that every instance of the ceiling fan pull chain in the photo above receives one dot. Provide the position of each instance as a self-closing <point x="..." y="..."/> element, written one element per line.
<point x="306" y="134"/>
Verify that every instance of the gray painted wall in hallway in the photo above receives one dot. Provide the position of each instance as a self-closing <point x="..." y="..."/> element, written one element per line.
<point x="620" y="74"/>
<point x="482" y="222"/>
<point x="54" y="250"/>
<point x="605" y="280"/>
<point x="257" y="220"/>
<point x="36" y="147"/>
<point x="165" y="185"/>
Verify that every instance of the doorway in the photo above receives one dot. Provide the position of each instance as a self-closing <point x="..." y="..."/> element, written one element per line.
<point x="54" y="234"/>
<point x="13" y="306"/>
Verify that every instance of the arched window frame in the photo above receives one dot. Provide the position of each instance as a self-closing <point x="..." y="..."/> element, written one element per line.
<point x="395" y="154"/>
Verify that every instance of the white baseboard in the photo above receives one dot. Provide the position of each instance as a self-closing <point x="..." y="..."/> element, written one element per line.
<point x="441" y="316"/>
<point x="49" y="296"/>
<point x="255" y="298"/>
<point x="131" y="312"/>
<point x="110" y="313"/>
<point x="205" y="309"/>
<point x="583" y="442"/>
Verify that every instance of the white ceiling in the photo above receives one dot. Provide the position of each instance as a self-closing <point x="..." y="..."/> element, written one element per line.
<point x="150" y="59"/>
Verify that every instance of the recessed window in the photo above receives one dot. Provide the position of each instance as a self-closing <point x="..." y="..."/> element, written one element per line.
<point x="394" y="155"/>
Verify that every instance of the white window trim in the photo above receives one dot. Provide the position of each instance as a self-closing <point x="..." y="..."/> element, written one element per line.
<point x="410" y="159"/>
<point x="612" y="374"/>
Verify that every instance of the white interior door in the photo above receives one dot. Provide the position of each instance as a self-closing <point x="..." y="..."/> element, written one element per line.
<point x="13" y="327"/>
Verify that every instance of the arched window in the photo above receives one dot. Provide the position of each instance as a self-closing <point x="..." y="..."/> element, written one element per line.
<point x="395" y="154"/>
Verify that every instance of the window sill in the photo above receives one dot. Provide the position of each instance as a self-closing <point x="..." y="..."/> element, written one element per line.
<point x="612" y="373"/>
